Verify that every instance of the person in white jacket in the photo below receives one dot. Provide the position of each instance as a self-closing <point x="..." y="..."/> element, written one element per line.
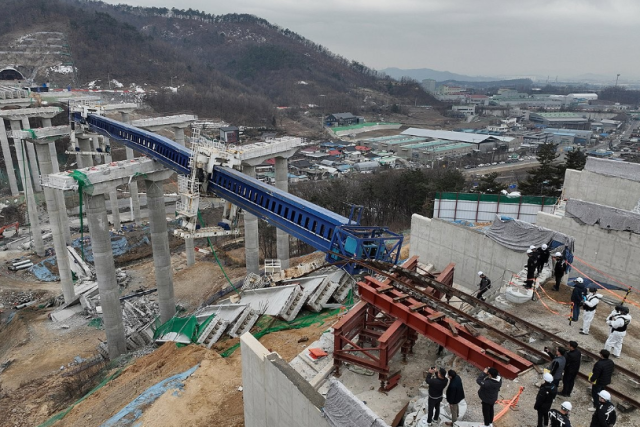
<point x="618" y="322"/>
<point x="589" y="309"/>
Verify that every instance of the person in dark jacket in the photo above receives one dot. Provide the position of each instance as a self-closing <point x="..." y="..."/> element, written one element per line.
<point x="490" y="382"/>
<point x="556" y="368"/>
<point x="543" y="257"/>
<point x="573" y="358"/>
<point x="532" y="264"/>
<point x="560" y="418"/>
<point x="577" y="297"/>
<point x="544" y="399"/>
<point x="437" y="380"/>
<point x="455" y="395"/>
<point x="605" y="414"/>
<point x="600" y="376"/>
<point x="558" y="269"/>
<point x="484" y="285"/>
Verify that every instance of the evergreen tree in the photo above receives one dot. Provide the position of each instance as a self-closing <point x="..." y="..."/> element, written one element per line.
<point x="546" y="179"/>
<point x="489" y="185"/>
<point x="575" y="159"/>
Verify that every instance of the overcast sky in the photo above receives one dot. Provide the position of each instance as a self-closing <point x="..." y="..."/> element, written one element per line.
<point x="561" y="38"/>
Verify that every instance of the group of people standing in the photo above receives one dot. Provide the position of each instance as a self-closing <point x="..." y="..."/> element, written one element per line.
<point x="438" y="379"/>
<point x="537" y="258"/>
<point x="565" y="367"/>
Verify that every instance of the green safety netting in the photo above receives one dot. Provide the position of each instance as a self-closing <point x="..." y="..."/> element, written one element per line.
<point x="187" y="326"/>
<point x="84" y="185"/>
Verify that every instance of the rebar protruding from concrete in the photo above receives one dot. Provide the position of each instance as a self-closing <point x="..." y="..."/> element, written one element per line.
<point x="106" y="274"/>
<point x="282" y="237"/>
<point x="190" y="250"/>
<point x="133" y="193"/>
<point x="32" y="207"/>
<point x="251" y="248"/>
<point x="160" y="247"/>
<point x="8" y="160"/>
<point x="57" y="226"/>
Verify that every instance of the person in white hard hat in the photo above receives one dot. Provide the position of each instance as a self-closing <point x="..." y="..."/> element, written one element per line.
<point x="577" y="296"/>
<point x="544" y="399"/>
<point x="543" y="257"/>
<point x="559" y="269"/>
<point x="589" y="309"/>
<point x="484" y="285"/>
<point x="618" y="322"/>
<point x="605" y="414"/>
<point x="560" y="418"/>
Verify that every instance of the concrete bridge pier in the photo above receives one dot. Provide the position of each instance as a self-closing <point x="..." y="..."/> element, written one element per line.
<point x="32" y="207"/>
<point x="282" y="237"/>
<point x="251" y="248"/>
<point x="8" y="159"/>
<point x="58" y="225"/>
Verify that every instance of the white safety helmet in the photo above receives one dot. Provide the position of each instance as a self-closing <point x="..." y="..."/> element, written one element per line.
<point x="532" y="247"/>
<point x="529" y="251"/>
<point x="544" y="247"/>
<point x="605" y="395"/>
<point x="547" y="377"/>
<point x="480" y="273"/>
<point x="557" y="254"/>
<point x="579" y="280"/>
<point x="567" y="406"/>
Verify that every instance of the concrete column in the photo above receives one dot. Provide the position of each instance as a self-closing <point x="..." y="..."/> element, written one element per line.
<point x="8" y="160"/>
<point x="251" y="240"/>
<point x="57" y="227"/>
<point x="136" y="216"/>
<point x="106" y="274"/>
<point x="190" y="250"/>
<point x="33" y="161"/>
<point x="113" y="196"/>
<point x="25" y="123"/>
<point x="95" y="144"/>
<point x="282" y="237"/>
<point x="17" y="143"/>
<point x="84" y="160"/>
<point x="32" y="208"/>
<point x="62" y="207"/>
<point x="125" y="117"/>
<point x="46" y="123"/>
<point x="179" y="135"/>
<point x="160" y="247"/>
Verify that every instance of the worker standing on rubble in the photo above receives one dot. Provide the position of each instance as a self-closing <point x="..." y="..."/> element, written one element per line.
<point x="577" y="297"/>
<point x="560" y="418"/>
<point x="544" y="399"/>
<point x="490" y="383"/>
<point x="455" y="395"/>
<point x="589" y="309"/>
<point x="573" y="359"/>
<point x="600" y="376"/>
<point x="484" y="285"/>
<point x="618" y="322"/>
<point x="556" y="368"/>
<point x="543" y="257"/>
<point x="558" y="269"/>
<point x="531" y="266"/>
<point x="436" y="384"/>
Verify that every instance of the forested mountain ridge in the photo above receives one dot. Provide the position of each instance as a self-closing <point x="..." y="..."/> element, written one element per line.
<point x="237" y="67"/>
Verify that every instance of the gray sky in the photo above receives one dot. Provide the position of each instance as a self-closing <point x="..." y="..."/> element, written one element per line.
<point x="561" y="38"/>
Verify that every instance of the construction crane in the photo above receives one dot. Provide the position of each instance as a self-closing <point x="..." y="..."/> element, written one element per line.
<point x="212" y="167"/>
<point x="15" y="225"/>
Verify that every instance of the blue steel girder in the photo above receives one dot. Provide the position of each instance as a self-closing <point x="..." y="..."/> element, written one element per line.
<point x="317" y="226"/>
<point x="310" y="223"/>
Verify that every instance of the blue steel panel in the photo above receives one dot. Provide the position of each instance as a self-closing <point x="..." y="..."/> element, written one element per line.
<point x="306" y="221"/>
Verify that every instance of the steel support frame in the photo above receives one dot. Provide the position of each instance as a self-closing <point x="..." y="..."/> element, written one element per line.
<point x="369" y="338"/>
<point x="415" y="315"/>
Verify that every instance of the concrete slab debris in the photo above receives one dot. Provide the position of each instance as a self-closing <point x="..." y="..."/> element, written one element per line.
<point x="65" y="313"/>
<point x="280" y="301"/>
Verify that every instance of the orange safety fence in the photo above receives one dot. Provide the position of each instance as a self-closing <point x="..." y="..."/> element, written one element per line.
<point x="603" y="288"/>
<point x="605" y="274"/>
<point x="508" y="404"/>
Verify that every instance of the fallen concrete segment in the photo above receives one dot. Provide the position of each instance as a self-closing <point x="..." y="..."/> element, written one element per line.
<point x="284" y="302"/>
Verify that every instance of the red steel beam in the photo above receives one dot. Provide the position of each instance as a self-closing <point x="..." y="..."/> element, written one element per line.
<point x="463" y="344"/>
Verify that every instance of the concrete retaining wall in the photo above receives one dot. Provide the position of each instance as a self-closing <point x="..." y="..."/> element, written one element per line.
<point x="602" y="189"/>
<point x="274" y="393"/>
<point x="440" y="242"/>
<point x="616" y="253"/>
